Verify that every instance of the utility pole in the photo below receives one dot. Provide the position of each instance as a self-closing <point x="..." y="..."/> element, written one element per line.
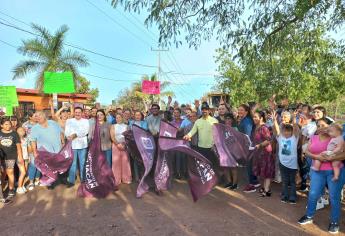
<point x="159" y="71"/>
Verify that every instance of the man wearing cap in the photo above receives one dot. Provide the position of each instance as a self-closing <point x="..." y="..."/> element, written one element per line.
<point x="203" y="127"/>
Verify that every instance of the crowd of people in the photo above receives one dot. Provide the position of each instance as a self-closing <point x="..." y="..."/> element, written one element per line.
<point x="299" y="146"/>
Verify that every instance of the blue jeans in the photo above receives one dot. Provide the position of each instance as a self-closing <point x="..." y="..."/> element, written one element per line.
<point x="108" y="156"/>
<point x="251" y="177"/>
<point x="78" y="154"/>
<point x="318" y="181"/>
<point x="33" y="173"/>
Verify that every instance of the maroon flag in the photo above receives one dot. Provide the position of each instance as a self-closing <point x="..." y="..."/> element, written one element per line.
<point x="232" y="146"/>
<point x="147" y="148"/>
<point x="99" y="178"/>
<point x="163" y="171"/>
<point x="52" y="164"/>
<point x="202" y="176"/>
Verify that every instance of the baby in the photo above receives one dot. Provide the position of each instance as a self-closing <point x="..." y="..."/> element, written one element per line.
<point x="335" y="146"/>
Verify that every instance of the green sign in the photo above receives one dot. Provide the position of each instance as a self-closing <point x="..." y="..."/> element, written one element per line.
<point x="58" y="82"/>
<point x="8" y="96"/>
<point x="9" y="111"/>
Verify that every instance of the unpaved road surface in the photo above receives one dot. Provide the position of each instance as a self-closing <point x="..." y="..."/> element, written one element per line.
<point x="222" y="212"/>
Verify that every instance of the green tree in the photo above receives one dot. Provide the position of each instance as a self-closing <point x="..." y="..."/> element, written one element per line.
<point x="233" y="22"/>
<point x="308" y="66"/>
<point x="133" y="97"/>
<point x="83" y="87"/>
<point x="48" y="54"/>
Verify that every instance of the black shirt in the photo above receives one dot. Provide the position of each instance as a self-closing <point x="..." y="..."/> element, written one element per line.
<point x="8" y="145"/>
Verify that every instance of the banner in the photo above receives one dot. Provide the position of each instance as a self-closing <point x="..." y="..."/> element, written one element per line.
<point x="58" y="82"/>
<point x="163" y="171"/>
<point x="151" y="87"/>
<point x="202" y="176"/>
<point x="147" y="149"/>
<point x="99" y="178"/>
<point x="232" y="146"/>
<point x="8" y="96"/>
<point x="52" y="164"/>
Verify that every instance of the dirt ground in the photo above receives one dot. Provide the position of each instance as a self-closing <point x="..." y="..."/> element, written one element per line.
<point x="222" y="212"/>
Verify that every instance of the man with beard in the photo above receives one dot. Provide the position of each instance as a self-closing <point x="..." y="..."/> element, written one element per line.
<point x="203" y="127"/>
<point x="154" y="120"/>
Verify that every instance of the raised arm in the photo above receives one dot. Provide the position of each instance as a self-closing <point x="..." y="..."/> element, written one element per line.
<point x="276" y="128"/>
<point x="296" y="130"/>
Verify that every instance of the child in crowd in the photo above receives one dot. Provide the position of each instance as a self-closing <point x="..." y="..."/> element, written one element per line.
<point x="287" y="137"/>
<point x="335" y="146"/>
<point x="12" y="154"/>
<point x="24" y="143"/>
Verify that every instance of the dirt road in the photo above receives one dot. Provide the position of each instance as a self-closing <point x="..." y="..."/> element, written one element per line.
<point x="222" y="212"/>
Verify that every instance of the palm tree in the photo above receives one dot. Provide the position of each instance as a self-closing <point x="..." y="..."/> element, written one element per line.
<point x="48" y="54"/>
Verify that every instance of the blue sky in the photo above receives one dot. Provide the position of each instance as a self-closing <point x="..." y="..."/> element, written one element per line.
<point x="112" y="35"/>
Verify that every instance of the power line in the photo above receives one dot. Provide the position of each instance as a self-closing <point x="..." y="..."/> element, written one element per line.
<point x="82" y="49"/>
<point x="117" y="23"/>
<point x="8" y="44"/>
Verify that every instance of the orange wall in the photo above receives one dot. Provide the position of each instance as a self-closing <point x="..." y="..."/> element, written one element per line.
<point x="42" y="102"/>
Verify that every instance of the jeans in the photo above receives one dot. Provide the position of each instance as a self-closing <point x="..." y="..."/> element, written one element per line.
<point x="107" y="154"/>
<point x="251" y="177"/>
<point x="78" y="154"/>
<point x="288" y="179"/>
<point x="304" y="166"/>
<point x="180" y="163"/>
<point x="33" y="172"/>
<point x="318" y="181"/>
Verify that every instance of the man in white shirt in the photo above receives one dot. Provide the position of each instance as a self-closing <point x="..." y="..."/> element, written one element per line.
<point x="77" y="129"/>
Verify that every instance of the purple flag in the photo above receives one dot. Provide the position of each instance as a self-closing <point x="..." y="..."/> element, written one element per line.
<point x="99" y="178"/>
<point x="163" y="171"/>
<point x="147" y="148"/>
<point x="232" y="146"/>
<point x="52" y="164"/>
<point x="202" y="176"/>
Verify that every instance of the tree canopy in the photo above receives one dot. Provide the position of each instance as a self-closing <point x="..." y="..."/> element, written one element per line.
<point x="83" y="87"/>
<point x="48" y="54"/>
<point x="235" y="22"/>
<point x="308" y="66"/>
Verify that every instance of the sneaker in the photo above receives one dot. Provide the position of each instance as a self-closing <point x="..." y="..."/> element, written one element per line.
<point x="324" y="201"/>
<point x="233" y="187"/>
<point x="228" y="185"/>
<point x="5" y="201"/>
<point x="21" y="190"/>
<point x="305" y="220"/>
<point x="284" y="200"/>
<point x="11" y="193"/>
<point x="31" y="186"/>
<point x="303" y="189"/>
<point x="320" y="205"/>
<point x="249" y="189"/>
<point x="292" y="202"/>
<point x="333" y="228"/>
<point x="37" y="182"/>
<point x="256" y="185"/>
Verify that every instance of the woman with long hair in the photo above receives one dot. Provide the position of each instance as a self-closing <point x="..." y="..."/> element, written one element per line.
<point x="121" y="166"/>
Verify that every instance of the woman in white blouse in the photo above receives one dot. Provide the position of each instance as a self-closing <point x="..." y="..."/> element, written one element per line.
<point x="120" y="160"/>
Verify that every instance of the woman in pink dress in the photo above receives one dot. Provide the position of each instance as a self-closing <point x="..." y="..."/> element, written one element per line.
<point x="120" y="160"/>
<point x="263" y="160"/>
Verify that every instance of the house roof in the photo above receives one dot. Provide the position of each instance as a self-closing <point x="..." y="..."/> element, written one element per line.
<point x="38" y="93"/>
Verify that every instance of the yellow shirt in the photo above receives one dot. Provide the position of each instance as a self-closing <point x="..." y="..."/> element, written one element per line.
<point x="204" y="129"/>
